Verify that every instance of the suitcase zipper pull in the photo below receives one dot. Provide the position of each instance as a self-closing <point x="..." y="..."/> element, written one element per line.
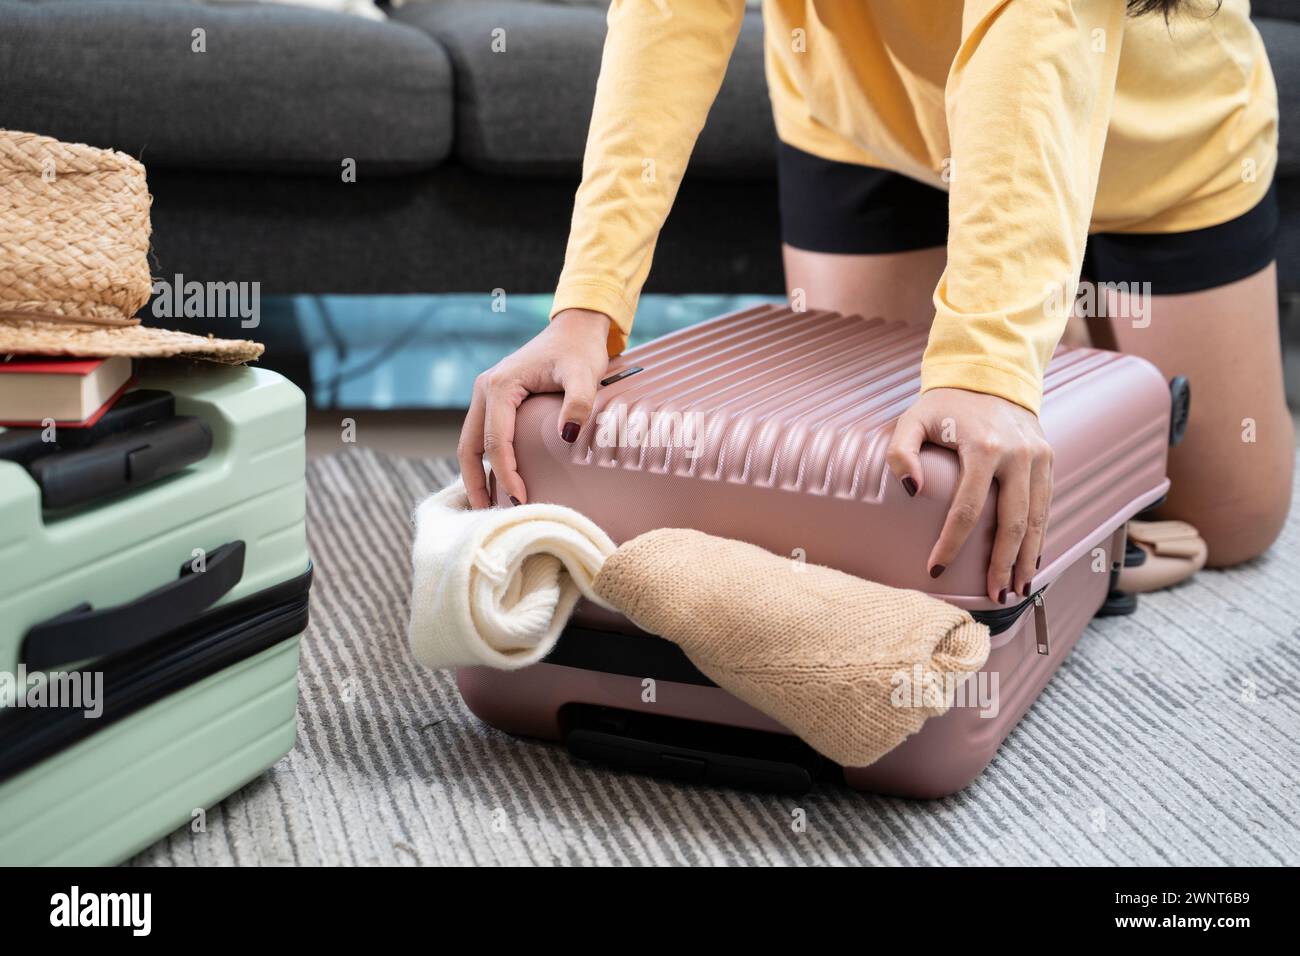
<point x="1040" y="624"/>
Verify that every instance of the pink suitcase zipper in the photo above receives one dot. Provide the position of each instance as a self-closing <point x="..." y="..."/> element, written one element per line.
<point x="771" y="426"/>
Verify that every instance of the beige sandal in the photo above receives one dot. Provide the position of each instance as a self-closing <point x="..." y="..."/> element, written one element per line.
<point x="1174" y="552"/>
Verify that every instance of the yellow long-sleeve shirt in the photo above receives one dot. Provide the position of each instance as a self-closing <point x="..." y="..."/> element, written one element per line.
<point x="1044" y="120"/>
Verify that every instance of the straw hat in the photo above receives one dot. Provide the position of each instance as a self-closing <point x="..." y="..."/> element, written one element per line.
<point x="74" y="266"/>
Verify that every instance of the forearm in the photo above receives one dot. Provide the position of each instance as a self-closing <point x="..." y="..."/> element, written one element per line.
<point x="1028" y="103"/>
<point x="661" y="69"/>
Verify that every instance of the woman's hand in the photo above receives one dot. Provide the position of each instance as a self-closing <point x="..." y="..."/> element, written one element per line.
<point x="569" y="356"/>
<point x="994" y="438"/>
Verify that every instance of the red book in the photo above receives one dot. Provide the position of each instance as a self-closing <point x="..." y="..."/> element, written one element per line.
<point x="74" y="393"/>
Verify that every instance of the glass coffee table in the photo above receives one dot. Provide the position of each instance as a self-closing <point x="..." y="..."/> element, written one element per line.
<point x="424" y="351"/>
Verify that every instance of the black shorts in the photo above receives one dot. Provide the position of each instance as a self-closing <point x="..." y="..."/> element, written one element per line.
<point x="828" y="206"/>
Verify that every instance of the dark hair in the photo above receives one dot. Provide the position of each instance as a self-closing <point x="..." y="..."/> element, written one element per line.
<point x="1137" y="8"/>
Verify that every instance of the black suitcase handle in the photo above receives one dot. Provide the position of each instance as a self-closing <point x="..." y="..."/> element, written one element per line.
<point x="689" y="764"/>
<point x="691" y="750"/>
<point x="121" y="462"/>
<point x="83" y="633"/>
<point x="133" y="410"/>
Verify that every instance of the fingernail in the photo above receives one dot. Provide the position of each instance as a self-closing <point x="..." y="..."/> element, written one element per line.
<point x="515" y="501"/>
<point x="936" y="570"/>
<point x="909" y="485"/>
<point x="1039" y="563"/>
<point x="1028" y="587"/>
<point x="570" y="432"/>
<point x="1002" y="596"/>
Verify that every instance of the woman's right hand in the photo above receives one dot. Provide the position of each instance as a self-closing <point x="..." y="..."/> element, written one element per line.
<point x="568" y="356"/>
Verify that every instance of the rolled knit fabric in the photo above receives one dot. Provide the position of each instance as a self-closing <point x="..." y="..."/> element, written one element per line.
<point x="496" y="586"/>
<point x="817" y="650"/>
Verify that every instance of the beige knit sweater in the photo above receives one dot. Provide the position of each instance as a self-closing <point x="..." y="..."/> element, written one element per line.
<point x="816" y="649"/>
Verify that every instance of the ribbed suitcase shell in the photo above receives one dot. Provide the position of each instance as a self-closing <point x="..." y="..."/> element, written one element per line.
<point x="111" y="794"/>
<point x="796" y="413"/>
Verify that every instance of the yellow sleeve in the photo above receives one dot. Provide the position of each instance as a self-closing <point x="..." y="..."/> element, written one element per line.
<point x="662" y="66"/>
<point x="1028" y="102"/>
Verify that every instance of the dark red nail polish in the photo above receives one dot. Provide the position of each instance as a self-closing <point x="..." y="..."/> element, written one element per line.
<point x="1039" y="563"/>
<point x="1002" y="596"/>
<point x="936" y="570"/>
<point x="514" y="500"/>
<point x="1028" y="586"/>
<point x="909" y="485"/>
<point x="570" y="432"/>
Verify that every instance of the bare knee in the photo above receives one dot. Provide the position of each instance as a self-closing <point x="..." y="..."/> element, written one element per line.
<point x="1233" y="543"/>
<point x="1237" y="523"/>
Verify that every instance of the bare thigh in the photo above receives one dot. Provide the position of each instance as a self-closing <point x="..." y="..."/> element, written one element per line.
<point x="895" y="285"/>
<point x="1231" y="476"/>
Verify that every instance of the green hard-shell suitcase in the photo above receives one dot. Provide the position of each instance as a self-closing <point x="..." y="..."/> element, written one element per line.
<point x="187" y="596"/>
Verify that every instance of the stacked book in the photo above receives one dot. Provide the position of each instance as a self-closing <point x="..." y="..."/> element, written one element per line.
<point x="69" y="393"/>
<point x="83" y="433"/>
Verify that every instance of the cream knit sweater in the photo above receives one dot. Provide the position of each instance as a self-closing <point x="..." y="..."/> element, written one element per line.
<point x="495" y="587"/>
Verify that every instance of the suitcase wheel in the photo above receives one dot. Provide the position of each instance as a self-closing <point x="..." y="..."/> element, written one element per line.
<point x="1118" y="604"/>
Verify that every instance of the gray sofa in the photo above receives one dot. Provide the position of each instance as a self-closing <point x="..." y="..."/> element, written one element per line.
<point x="466" y="158"/>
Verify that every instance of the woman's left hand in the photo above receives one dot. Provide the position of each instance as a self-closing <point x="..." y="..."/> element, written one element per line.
<point x="993" y="438"/>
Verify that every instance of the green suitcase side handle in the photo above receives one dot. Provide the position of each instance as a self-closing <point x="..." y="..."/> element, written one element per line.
<point x="83" y="633"/>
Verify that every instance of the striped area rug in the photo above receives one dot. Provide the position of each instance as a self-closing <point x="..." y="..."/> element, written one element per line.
<point x="1170" y="737"/>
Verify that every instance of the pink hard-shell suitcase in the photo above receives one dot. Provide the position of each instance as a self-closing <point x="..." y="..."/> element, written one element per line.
<point x="792" y="413"/>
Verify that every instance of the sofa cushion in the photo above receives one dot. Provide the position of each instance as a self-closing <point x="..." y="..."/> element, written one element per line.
<point x="1282" y="40"/>
<point x="1278" y="9"/>
<point x="526" y="111"/>
<point x="279" y="87"/>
